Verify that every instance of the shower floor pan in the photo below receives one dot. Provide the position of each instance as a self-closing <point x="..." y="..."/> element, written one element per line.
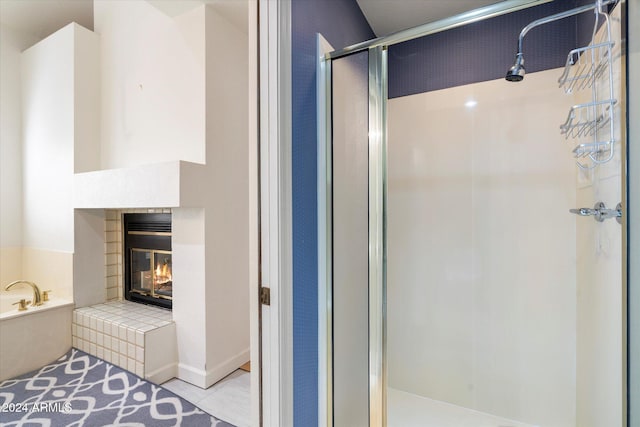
<point x="410" y="410"/>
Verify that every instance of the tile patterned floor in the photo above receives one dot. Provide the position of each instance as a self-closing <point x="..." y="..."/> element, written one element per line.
<point x="228" y="399"/>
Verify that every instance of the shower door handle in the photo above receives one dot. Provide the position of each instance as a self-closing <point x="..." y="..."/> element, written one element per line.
<point x="600" y="212"/>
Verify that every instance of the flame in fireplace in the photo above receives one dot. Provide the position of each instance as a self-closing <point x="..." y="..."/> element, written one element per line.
<point x="163" y="273"/>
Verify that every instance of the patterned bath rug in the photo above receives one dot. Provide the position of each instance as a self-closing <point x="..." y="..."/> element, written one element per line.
<point x="81" y="390"/>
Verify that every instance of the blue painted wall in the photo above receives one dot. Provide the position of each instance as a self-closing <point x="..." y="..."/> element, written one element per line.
<point x="341" y="22"/>
<point x="485" y="50"/>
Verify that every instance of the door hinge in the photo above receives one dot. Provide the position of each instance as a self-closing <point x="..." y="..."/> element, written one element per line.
<point x="265" y="295"/>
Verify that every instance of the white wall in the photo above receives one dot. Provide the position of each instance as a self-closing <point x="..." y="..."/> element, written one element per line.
<point x="48" y="142"/>
<point x="227" y="187"/>
<point x="153" y="84"/>
<point x="634" y="206"/>
<point x="48" y="116"/>
<point x="481" y="249"/>
<point x="600" y="318"/>
<point x="59" y="87"/>
<point x="176" y="88"/>
<point x="12" y="43"/>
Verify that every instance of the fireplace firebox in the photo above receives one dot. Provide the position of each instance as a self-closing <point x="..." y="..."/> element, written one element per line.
<point x="147" y="258"/>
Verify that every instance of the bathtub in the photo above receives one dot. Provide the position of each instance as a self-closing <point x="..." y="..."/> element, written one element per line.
<point x="30" y="339"/>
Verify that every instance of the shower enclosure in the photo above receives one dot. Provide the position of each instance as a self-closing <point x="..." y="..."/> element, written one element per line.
<point x="464" y="280"/>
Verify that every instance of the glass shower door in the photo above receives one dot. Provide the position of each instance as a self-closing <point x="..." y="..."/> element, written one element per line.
<point x="350" y="237"/>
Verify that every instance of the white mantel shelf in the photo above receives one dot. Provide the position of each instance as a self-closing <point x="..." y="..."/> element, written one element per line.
<point x="161" y="185"/>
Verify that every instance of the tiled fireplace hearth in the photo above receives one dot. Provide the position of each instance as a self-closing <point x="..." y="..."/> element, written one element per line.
<point x="136" y="337"/>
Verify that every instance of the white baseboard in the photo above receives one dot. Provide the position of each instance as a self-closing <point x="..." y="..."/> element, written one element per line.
<point x="163" y="374"/>
<point x="223" y="369"/>
<point x="192" y="375"/>
<point x="205" y="379"/>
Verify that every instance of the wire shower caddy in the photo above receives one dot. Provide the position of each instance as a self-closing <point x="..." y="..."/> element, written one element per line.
<point x="590" y="121"/>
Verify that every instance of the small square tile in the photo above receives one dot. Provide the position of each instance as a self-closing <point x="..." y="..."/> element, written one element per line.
<point x="74" y="342"/>
<point x="123" y="361"/>
<point x="114" y="358"/>
<point x="111" y="236"/>
<point x="122" y="348"/>
<point x="92" y="322"/>
<point x="111" y="248"/>
<point x="140" y="354"/>
<point x="112" y="270"/>
<point x="74" y="330"/>
<point x="100" y="352"/>
<point x="92" y="349"/>
<point x="111" y="215"/>
<point x="122" y="332"/>
<point x="131" y="364"/>
<point x="112" y="281"/>
<point x="92" y="336"/>
<point x="115" y="344"/>
<point x="112" y="293"/>
<point x="131" y="350"/>
<point x="131" y="335"/>
<point x="107" y="327"/>
<point x="139" y="338"/>
<point x="99" y="325"/>
<point x="100" y="339"/>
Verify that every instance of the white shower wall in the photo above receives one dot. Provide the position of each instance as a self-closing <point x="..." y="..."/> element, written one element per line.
<point x="482" y="249"/>
<point x="600" y="321"/>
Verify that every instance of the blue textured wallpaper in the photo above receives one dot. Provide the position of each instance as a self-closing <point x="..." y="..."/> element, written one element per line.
<point x="341" y="22"/>
<point x="485" y="50"/>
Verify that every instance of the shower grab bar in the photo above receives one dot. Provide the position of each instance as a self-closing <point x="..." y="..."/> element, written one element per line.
<point x="600" y="212"/>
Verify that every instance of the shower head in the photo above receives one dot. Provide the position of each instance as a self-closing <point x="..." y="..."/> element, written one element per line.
<point x="516" y="73"/>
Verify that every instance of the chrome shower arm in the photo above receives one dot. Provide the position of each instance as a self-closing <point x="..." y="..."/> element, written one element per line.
<point x="516" y="73"/>
<point x="555" y="17"/>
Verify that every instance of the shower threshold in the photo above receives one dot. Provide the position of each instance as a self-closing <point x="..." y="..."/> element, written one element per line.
<point x="410" y="410"/>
